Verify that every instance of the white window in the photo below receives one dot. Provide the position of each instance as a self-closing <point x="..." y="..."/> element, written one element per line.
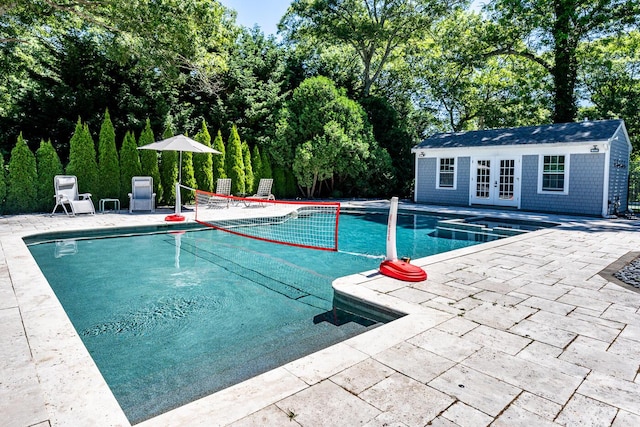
<point x="554" y="174"/>
<point x="447" y="173"/>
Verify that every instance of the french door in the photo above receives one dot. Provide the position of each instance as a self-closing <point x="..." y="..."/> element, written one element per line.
<point x="495" y="181"/>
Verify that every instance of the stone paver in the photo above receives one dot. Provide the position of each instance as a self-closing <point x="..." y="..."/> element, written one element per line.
<point x="583" y="354"/>
<point x="584" y="411"/>
<point x="478" y="390"/>
<point x="466" y="416"/>
<point x="408" y="400"/>
<point x="544" y="381"/>
<point x="516" y="332"/>
<point x="414" y="362"/>
<point x="327" y="404"/>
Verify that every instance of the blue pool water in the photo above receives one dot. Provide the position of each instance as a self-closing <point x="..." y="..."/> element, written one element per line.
<point x="169" y="318"/>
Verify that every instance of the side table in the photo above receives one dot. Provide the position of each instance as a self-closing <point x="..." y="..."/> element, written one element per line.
<point x="116" y="204"/>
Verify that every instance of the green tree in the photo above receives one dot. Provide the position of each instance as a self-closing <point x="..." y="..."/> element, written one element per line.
<point x="375" y="31"/>
<point x="3" y="184"/>
<point x="291" y="187"/>
<point x="149" y="159"/>
<point x="48" y="165"/>
<point x="266" y="171"/>
<point x="248" y="169"/>
<point x="22" y="179"/>
<point x="234" y="164"/>
<point x="108" y="164"/>
<point x="129" y="165"/>
<point x="82" y="159"/>
<point x="466" y="91"/>
<point x="256" y="163"/>
<point x="168" y="170"/>
<point x="219" y="160"/>
<point x="254" y="80"/>
<point x="610" y="79"/>
<point x="203" y="162"/>
<point x="324" y="135"/>
<point x="188" y="177"/>
<point x="279" y="182"/>
<point x="550" y="33"/>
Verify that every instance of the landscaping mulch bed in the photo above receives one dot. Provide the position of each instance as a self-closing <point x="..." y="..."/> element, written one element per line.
<point x="625" y="271"/>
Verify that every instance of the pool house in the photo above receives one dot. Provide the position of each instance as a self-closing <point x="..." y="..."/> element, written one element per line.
<point x="571" y="168"/>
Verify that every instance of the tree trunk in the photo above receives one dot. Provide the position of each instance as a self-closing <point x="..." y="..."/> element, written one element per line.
<point x="565" y="69"/>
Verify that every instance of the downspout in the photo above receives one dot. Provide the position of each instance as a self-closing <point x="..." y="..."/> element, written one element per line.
<point x="415" y="179"/>
<point x="605" y="186"/>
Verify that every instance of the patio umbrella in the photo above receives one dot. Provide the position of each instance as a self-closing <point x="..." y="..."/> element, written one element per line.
<point x="179" y="143"/>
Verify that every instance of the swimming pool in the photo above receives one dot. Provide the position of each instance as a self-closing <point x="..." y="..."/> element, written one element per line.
<point x="170" y="317"/>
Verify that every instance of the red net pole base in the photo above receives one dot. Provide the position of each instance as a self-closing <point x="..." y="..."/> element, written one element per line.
<point x="174" y="218"/>
<point x="402" y="270"/>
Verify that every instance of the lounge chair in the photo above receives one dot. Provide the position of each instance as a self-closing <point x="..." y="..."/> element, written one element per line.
<point x="142" y="197"/>
<point x="222" y="195"/>
<point x="66" y="188"/>
<point x="264" y="190"/>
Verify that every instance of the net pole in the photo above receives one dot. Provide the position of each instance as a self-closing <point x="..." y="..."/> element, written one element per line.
<point x="392" y="254"/>
<point x="335" y="239"/>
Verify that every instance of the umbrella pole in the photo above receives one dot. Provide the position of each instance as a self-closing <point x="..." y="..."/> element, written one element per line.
<point x="178" y="198"/>
<point x="177" y="216"/>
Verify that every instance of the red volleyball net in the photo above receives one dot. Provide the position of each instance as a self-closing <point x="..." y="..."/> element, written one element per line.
<point x="305" y="224"/>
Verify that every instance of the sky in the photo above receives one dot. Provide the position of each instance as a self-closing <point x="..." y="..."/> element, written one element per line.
<point x="267" y="13"/>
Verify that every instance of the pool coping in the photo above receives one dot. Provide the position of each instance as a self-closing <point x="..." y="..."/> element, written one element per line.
<point x="73" y="392"/>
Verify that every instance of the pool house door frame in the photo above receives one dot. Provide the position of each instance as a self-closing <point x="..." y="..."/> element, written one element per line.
<point x="495" y="180"/>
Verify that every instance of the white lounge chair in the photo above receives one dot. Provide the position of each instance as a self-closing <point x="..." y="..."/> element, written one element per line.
<point x="142" y="197"/>
<point x="222" y="194"/>
<point x="264" y="190"/>
<point x="66" y="187"/>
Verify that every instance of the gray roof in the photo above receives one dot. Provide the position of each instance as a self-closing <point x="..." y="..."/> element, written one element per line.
<point x="580" y="132"/>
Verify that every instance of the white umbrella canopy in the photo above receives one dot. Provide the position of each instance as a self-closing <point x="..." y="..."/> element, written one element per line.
<point x="179" y="143"/>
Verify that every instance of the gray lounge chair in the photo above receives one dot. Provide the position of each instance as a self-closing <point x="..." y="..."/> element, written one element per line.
<point x="222" y="195"/>
<point x="142" y="197"/>
<point x="66" y="188"/>
<point x="264" y="190"/>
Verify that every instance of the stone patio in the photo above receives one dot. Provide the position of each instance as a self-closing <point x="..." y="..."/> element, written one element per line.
<point x="521" y="331"/>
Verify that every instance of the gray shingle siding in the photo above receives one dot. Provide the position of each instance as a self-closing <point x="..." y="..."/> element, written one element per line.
<point x="427" y="191"/>
<point x="586" y="177"/>
<point x="618" y="171"/>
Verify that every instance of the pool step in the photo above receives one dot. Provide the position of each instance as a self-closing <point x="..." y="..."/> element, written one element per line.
<point x="473" y="229"/>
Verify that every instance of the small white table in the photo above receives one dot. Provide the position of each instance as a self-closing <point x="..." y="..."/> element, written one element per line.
<point x="116" y="204"/>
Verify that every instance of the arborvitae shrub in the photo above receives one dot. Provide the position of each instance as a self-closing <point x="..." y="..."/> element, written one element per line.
<point x="266" y="171"/>
<point x="48" y="165"/>
<point x="256" y="163"/>
<point x="129" y="166"/>
<point x="108" y="164"/>
<point x="203" y="162"/>
<point x="248" y="169"/>
<point x="219" y="159"/>
<point x="234" y="163"/>
<point x="168" y="171"/>
<point x="3" y="184"/>
<point x="82" y="160"/>
<point x="279" y="184"/>
<point x="22" y="179"/>
<point x="291" y="186"/>
<point x="188" y="177"/>
<point x="149" y="159"/>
